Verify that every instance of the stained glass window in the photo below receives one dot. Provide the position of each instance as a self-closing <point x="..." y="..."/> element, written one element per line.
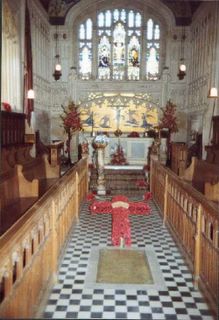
<point x="119" y="52"/>
<point x="104" y="58"/>
<point x="134" y="59"/>
<point x="108" y="19"/>
<point x="85" y="45"/>
<point x="152" y="53"/>
<point x="121" y="34"/>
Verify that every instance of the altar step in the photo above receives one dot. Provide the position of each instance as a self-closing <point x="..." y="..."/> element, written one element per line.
<point x="122" y="181"/>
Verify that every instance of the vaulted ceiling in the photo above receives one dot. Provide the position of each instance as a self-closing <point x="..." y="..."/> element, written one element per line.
<point x="183" y="10"/>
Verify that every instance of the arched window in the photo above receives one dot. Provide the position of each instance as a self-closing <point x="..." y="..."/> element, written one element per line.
<point x="124" y="47"/>
<point x="85" y="45"/>
<point x="152" y="52"/>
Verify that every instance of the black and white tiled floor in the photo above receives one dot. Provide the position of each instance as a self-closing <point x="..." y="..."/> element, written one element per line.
<point x="71" y="299"/>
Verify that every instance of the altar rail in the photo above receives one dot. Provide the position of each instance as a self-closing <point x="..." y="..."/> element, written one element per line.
<point x="31" y="248"/>
<point x="194" y="223"/>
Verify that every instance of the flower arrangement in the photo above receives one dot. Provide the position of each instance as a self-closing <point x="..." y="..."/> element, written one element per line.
<point x="70" y="118"/>
<point x="134" y="134"/>
<point x="169" y="120"/>
<point x="141" y="183"/>
<point x="118" y="157"/>
<point x="71" y="123"/>
<point x="6" y="106"/>
<point x="147" y="196"/>
<point x="90" y="197"/>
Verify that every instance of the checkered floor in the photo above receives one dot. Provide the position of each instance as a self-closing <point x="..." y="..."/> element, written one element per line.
<point x="70" y="299"/>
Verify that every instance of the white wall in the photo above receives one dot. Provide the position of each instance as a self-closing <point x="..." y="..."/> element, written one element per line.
<point x="41" y="52"/>
<point x="204" y="69"/>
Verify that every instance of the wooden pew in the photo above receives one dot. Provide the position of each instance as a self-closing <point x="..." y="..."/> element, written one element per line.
<point x="17" y="195"/>
<point x="40" y="168"/>
<point x="12" y="155"/>
<point x="204" y="177"/>
<point x="212" y="191"/>
<point x="32" y="168"/>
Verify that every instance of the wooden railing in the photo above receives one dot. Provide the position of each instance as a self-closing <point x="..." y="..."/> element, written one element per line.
<point x="31" y="248"/>
<point x="194" y="223"/>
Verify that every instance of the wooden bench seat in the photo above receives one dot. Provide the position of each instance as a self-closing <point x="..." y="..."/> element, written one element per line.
<point x="204" y="177"/>
<point x="12" y="155"/>
<point x="17" y="194"/>
<point x="40" y="168"/>
<point x="32" y="168"/>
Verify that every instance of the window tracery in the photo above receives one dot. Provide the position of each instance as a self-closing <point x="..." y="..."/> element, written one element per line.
<point x="128" y="46"/>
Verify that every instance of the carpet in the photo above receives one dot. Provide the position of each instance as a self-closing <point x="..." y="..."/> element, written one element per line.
<point x="123" y="266"/>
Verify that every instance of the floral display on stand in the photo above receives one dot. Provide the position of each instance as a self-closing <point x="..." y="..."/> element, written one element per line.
<point x="169" y="122"/>
<point x="71" y="123"/>
<point x="118" y="157"/>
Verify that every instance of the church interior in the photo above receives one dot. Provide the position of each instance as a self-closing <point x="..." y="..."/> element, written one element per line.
<point x="109" y="188"/>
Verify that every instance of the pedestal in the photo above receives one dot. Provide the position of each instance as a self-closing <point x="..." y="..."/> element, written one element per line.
<point x="101" y="188"/>
<point x="99" y="143"/>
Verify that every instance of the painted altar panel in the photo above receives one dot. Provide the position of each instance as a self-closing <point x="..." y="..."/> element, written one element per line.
<point x="127" y="113"/>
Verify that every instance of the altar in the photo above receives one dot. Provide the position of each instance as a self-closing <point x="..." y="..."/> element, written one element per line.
<point x="135" y="149"/>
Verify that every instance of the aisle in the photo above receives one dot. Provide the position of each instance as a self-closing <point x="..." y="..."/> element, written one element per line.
<point x="77" y="296"/>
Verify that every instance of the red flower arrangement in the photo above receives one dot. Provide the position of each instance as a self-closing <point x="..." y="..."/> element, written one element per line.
<point x="118" y="157"/>
<point x="101" y="207"/>
<point x="90" y="197"/>
<point x="147" y="196"/>
<point x="169" y="120"/>
<point x="121" y="230"/>
<point x="140" y="208"/>
<point x="141" y="183"/>
<point x="6" y="106"/>
<point x="134" y="134"/>
<point x="70" y="122"/>
<point x="121" y="227"/>
<point x="71" y="118"/>
<point x="120" y="198"/>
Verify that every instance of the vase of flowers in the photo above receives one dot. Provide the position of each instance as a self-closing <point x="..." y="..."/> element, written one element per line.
<point x="71" y="123"/>
<point x="168" y="122"/>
